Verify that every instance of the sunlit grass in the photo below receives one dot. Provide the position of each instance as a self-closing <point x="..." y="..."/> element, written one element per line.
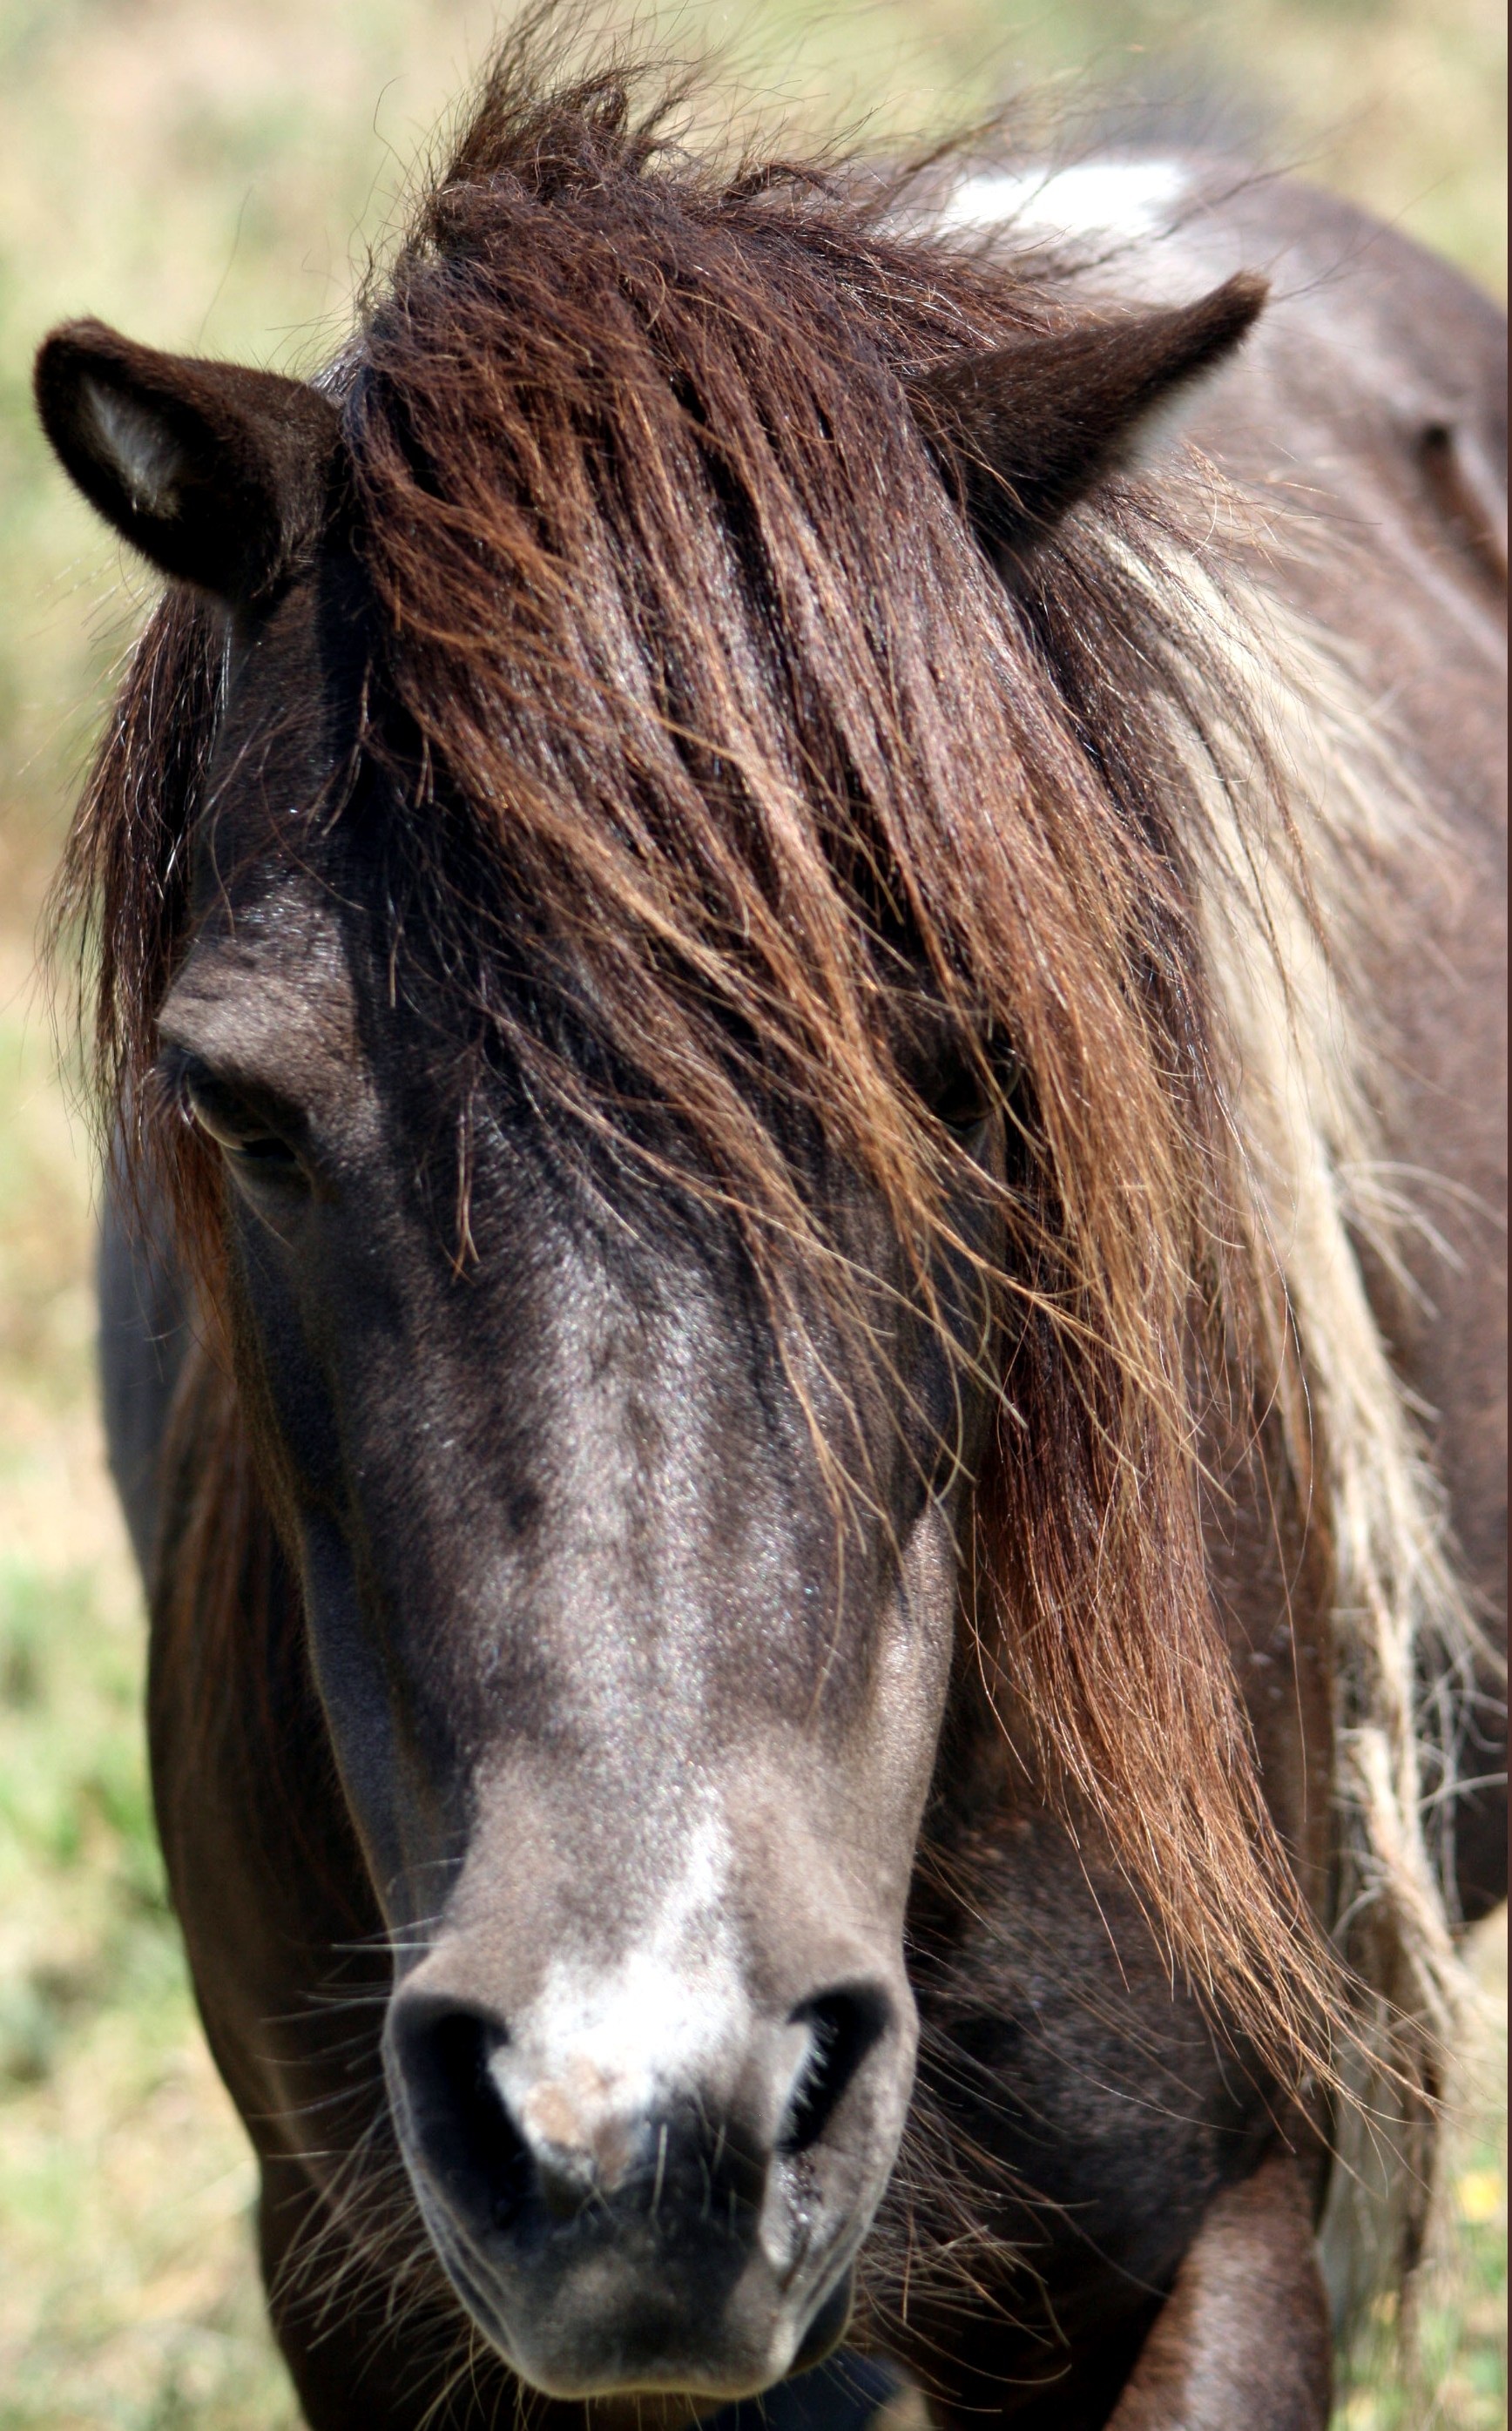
<point x="199" y="169"/>
<point x="1450" y="2371"/>
<point x="128" y="2296"/>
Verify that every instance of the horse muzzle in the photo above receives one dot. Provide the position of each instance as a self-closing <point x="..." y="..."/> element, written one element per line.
<point x="679" y="2219"/>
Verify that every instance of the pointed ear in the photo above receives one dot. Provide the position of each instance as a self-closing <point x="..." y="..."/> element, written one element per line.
<point x="1024" y="432"/>
<point x="217" y="473"/>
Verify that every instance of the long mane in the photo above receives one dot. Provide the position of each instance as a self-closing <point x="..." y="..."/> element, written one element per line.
<point x="714" y="735"/>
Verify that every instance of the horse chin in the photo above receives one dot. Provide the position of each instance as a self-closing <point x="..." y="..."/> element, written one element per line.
<point x="646" y="2409"/>
<point x="630" y="2342"/>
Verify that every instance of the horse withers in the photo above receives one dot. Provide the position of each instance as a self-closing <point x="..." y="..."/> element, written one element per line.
<point x="799" y="1321"/>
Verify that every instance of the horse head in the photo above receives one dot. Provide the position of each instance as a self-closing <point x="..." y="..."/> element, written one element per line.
<point x="611" y="1166"/>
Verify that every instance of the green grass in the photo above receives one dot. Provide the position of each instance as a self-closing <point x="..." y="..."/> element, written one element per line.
<point x="201" y="170"/>
<point x="1450" y="2374"/>
<point x="128" y="2296"/>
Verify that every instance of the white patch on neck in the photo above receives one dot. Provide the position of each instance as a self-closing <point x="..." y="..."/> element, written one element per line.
<point x="146" y="460"/>
<point x="1098" y="198"/>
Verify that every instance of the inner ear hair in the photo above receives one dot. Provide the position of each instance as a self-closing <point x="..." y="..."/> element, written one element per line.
<point x="1025" y="431"/>
<point x="149" y="466"/>
<point x="217" y="473"/>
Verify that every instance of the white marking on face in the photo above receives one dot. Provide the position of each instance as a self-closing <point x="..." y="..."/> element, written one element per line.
<point x="1123" y="198"/>
<point x="146" y="460"/>
<point x="601" y="2047"/>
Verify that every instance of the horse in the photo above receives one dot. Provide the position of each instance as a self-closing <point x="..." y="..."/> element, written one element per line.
<point x="795" y="935"/>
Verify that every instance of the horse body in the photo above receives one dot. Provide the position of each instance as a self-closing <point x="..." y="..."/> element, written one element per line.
<point x="558" y="1969"/>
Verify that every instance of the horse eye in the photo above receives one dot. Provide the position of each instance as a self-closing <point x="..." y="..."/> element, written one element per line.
<point x="959" y="1100"/>
<point x="240" y="1131"/>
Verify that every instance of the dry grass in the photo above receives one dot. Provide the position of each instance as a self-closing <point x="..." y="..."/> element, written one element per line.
<point x="200" y="174"/>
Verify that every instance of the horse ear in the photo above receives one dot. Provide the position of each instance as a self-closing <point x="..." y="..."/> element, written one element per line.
<point x="216" y="473"/>
<point x="1022" y="433"/>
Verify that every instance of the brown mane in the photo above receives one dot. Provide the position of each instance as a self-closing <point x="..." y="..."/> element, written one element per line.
<point x="713" y="720"/>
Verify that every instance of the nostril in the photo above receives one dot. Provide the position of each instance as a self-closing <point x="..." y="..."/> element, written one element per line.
<point x="468" y="2140"/>
<point x="843" y="2026"/>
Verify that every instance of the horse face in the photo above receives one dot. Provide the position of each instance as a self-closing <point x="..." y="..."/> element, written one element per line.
<point x="635" y="1719"/>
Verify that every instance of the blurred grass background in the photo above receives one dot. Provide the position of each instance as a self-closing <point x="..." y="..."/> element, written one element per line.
<point x="207" y="173"/>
